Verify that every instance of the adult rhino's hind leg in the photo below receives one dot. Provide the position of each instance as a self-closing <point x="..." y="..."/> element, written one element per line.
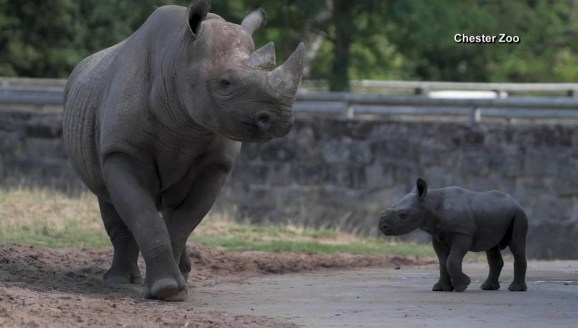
<point x="518" y="248"/>
<point x="496" y="264"/>
<point x="124" y="268"/>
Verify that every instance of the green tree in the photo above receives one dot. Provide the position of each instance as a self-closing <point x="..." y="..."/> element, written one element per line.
<point x="422" y="32"/>
<point x="47" y="38"/>
<point x="370" y="39"/>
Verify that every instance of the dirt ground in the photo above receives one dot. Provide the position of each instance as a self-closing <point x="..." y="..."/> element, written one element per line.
<point x="42" y="287"/>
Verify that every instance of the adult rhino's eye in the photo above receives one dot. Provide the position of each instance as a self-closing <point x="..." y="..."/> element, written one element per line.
<point x="225" y="86"/>
<point x="403" y="215"/>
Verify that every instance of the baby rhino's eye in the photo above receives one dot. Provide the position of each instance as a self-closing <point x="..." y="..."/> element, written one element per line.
<point x="403" y="215"/>
<point x="225" y="83"/>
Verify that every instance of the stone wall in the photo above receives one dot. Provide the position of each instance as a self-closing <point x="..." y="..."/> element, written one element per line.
<point x="341" y="173"/>
<point x="32" y="151"/>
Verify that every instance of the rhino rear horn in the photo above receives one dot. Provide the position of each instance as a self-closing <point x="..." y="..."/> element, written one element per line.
<point x="254" y="21"/>
<point x="264" y="57"/>
<point x="285" y="79"/>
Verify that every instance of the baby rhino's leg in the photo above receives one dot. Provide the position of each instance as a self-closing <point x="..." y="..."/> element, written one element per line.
<point x="496" y="264"/>
<point x="444" y="284"/>
<point x="459" y="247"/>
<point x="518" y="248"/>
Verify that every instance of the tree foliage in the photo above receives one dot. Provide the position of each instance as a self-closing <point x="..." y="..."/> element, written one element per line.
<point x="370" y="39"/>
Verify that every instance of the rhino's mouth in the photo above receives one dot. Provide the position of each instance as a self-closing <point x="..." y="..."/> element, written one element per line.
<point x="387" y="232"/>
<point x="249" y="133"/>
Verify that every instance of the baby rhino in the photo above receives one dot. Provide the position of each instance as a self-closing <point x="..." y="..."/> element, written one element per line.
<point x="459" y="221"/>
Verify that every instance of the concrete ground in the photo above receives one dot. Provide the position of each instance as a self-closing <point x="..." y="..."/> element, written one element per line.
<point x="403" y="298"/>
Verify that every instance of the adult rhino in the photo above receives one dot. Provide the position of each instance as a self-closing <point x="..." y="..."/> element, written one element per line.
<point x="153" y="123"/>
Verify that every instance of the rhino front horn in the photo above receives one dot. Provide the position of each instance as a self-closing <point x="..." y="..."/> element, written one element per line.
<point x="264" y="57"/>
<point x="284" y="80"/>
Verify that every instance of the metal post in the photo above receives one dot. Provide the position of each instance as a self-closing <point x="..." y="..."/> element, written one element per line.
<point x="476" y="115"/>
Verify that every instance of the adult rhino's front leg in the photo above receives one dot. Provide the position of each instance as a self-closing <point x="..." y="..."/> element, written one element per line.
<point x="181" y="221"/>
<point x="130" y="185"/>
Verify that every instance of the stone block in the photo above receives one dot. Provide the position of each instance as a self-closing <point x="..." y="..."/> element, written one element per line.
<point x="440" y="176"/>
<point x="278" y="151"/>
<point x="379" y="176"/>
<point x="306" y="143"/>
<point x="11" y="143"/>
<point x="406" y="173"/>
<point x="279" y="174"/>
<point x="249" y="172"/>
<point x="490" y="182"/>
<point x="13" y="121"/>
<point x="308" y="174"/>
<point x="431" y="153"/>
<point x="462" y="135"/>
<point x="541" y="161"/>
<point x="508" y="165"/>
<point x="386" y="130"/>
<point x="336" y="150"/>
<point x="350" y="176"/>
<point x="51" y="148"/>
<point x="551" y="136"/>
<point x="353" y="129"/>
<point x="565" y="184"/>
<point x="473" y="162"/>
<point x="532" y="186"/>
<point x="250" y="151"/>
<point x="388" y="150"/>
<point x="387" y="197"/>
<point x="361" y="153"/>
<point x="552" y="240"/>
<point x="44" y="126"/>
<point x="550" y="207"/>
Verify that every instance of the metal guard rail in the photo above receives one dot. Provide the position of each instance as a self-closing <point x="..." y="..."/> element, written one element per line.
<point x="351" y="104"/>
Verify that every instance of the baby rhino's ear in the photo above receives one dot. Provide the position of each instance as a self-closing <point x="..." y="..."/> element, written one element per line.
<point x="421" y="187"/>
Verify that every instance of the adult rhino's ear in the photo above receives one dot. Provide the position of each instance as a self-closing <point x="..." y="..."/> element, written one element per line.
<point x="196" y="12"/>
<point x="254" y="20"/>
<point x="421" y="187"/>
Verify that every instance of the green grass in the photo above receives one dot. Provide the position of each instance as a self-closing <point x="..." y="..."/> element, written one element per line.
<point x="51" y="219"/>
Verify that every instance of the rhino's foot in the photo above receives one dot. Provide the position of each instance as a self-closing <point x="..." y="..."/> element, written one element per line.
<point x="516" y="287"/>
<point x="116" y="277"/>
<point x="460" y="288"/>
<point x="490" y="285"/>
<point x="166" y="290"/>
<point x="442" y="287"/>
<point x="461" y="284"/>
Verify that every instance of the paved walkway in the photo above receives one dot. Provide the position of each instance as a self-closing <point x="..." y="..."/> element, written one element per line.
<point x="403" y="298"/>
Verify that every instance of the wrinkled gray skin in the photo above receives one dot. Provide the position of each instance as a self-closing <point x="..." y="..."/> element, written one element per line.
<point x="459" y="221"/>
<point x="153" y="123"/>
